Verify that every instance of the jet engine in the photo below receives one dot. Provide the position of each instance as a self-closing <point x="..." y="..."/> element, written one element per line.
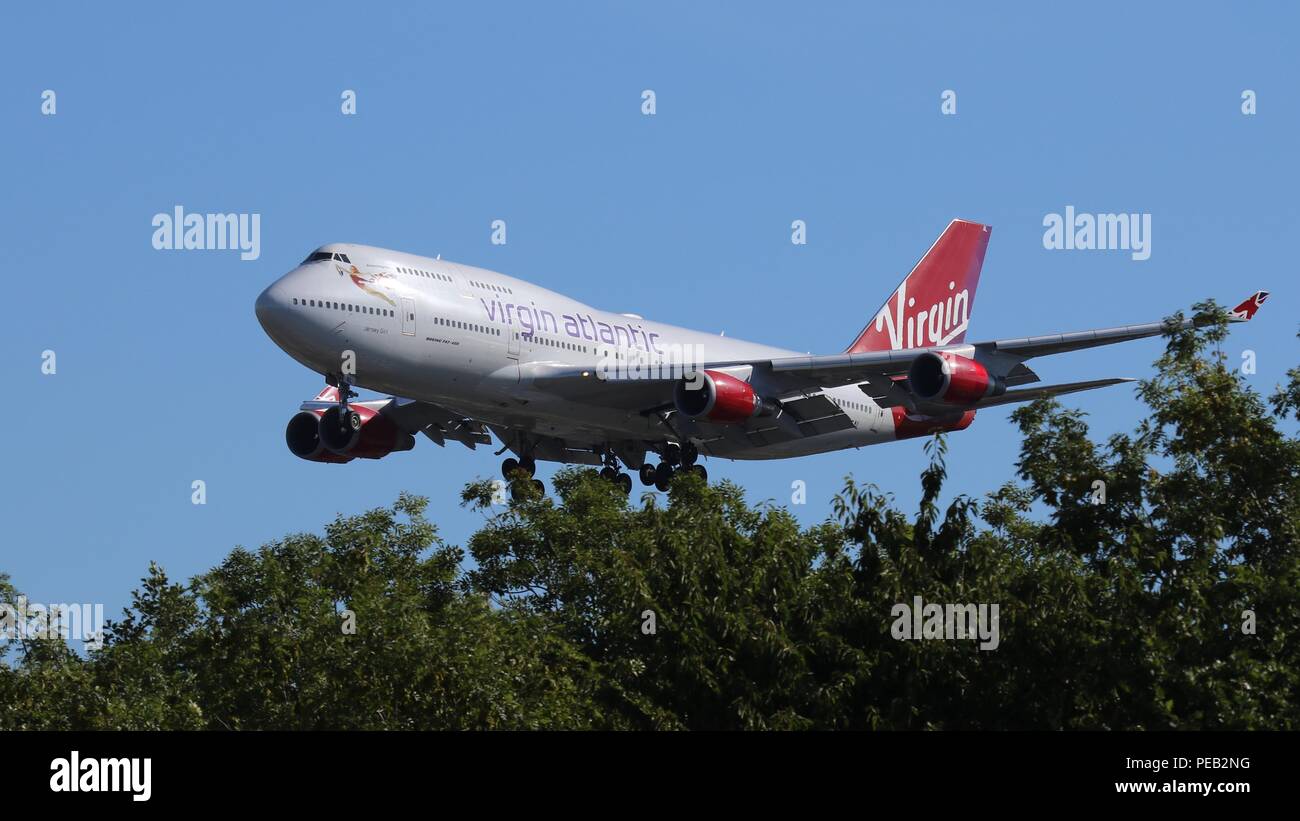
<point x="949" y="379"/>
<point x="330" y="436"/>
<point x="717" y="397"/>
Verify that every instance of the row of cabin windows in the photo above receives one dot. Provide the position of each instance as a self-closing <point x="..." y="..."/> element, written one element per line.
<point x="558" y="343"/>
<point x="861" y="406"/>
<point x="343" y="306"/>
<point x="487" y="286"/>
<point x="418" y="272"/>
<point x="326" y="256"/>
<point x="437" y="320"/>
<point x="467" y="326"/>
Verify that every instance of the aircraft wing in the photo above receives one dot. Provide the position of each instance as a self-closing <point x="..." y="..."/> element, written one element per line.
<point x="878" y="372"/>
<point x="851" y="368"/>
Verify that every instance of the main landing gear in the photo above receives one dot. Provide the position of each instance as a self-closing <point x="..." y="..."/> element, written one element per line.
<point x="675" y="457"/>
<point x="519" y="473"/>
<point x="510" y="467"/>
<point x="611" y="473"/>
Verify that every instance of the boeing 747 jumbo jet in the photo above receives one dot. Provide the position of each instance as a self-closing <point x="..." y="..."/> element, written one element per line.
<point x="467" y="353"/>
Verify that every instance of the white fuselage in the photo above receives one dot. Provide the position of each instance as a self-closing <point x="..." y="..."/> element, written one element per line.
<point x="470" y="339"/>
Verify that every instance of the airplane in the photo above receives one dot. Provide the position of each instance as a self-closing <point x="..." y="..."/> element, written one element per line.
<point x="466" y="353"/>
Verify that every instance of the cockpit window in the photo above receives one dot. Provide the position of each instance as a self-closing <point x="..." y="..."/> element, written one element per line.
<point x="326" y="256"/>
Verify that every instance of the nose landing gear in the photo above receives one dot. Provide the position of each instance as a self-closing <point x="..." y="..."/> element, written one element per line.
<point x="349" y="420"/>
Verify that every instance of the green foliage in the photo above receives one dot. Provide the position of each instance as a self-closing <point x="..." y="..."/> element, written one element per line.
<point x="1124" y="614"/>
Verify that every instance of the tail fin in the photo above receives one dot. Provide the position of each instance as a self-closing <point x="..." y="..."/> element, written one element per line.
<point x="330" y="394"/>
<point x="932" y="305"/>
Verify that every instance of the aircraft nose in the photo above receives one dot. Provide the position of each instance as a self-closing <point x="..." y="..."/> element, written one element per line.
<point x="270" y="308"/>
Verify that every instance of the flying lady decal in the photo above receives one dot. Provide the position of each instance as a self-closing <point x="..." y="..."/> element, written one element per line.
<point x="365" y="283"/>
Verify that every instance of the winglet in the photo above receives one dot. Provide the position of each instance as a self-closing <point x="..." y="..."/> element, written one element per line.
<point x="1246" y="310"/>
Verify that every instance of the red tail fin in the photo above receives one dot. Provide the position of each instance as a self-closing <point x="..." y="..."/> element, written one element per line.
<point x="932" y="306"/>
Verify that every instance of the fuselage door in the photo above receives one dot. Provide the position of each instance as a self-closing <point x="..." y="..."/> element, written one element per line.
<point x="408" y="316"/>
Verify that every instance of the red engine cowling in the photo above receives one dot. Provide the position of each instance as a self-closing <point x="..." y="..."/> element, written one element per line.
<point x="717" y="397"/>
<point x="322" y="436"/>
<point x="951" y="379"/>
<point x="908" y="427"/>
<point x="374" y="438"/>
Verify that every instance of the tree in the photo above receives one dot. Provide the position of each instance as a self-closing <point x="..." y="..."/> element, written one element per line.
<point x="1172" y="603"/>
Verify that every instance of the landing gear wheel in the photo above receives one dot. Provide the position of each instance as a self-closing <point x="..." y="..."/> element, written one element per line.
<point x="352" y="421"/>
<point x="508" y="468"/>
<point x="699" y="471"/>
<point x="521" y="488"/>
<point x="689" y="454"/>
<point x="608" y="474"/>
<point x="673" y="453"/>
<point x="624" y="483"/>
<point x="663" y="475"/>
<point x="529" y="466"/>
<point x="647" y="474"/>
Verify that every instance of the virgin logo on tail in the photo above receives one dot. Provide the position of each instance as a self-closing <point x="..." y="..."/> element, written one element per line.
<point x="932" y="306"/>
<point x="938" y="324"/>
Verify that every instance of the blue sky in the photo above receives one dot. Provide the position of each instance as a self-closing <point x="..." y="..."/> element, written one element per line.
<point x="766" y="113"/>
